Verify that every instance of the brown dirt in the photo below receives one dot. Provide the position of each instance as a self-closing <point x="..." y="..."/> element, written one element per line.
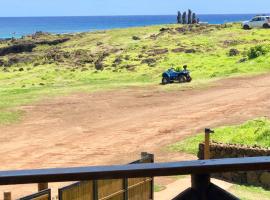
<point x="115" y="126"/>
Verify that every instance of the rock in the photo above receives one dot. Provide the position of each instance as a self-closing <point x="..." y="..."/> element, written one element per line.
<point x="2" y="63"/>
<point x="178" y="50"/>
<point x="53" y="42"/>
<point x="130" y="67"/>
<point x="252" y="178"/>
<point x="18" y="59"/>
<point x="265" y="178"/>
<point x="233" y="52"/>
<point x="231" y="42"/>
<point x="21" y="69"/>
<point x="181" y="30"/>
<point x="84" y="69"/>
<point x="150" y="61"/>
<point x="154" y="52"/>
<point x="153" y="37"/>
<point x="99" y="65"/>
<point x="136" y="37"/>
<point x="99" y="43"/>
<point x="242" y="60"/>
<point x="127" y="57"/>
<point x="190" y="51"/>
<point x="5" y="69"/>
<point x="17" y="48"/>
<point x="164" y="29"/>
<point x="117" y="61"/>
<point x="99" y="61"/>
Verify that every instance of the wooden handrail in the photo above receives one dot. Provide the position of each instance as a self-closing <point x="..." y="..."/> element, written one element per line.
<point x="134" y="170"/>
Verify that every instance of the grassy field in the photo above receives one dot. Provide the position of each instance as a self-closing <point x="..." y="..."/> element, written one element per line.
<point x="249" y="192"/>
<point x="125" y="57"/>
<point x="254" y="132"/>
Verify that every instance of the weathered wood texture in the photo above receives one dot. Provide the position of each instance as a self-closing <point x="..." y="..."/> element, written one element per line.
<point x="112" y="189"/>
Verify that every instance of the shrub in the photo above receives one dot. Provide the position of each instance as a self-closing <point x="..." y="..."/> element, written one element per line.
<point x="257" y="51"/>
<point x="233" y="52"/>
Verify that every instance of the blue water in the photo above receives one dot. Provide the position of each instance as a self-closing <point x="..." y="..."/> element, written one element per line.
<point x="19" y="26"/>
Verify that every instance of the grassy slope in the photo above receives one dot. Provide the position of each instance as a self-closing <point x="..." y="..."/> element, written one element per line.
<point x="210" y="61"/>
<point x="254" y="132"/>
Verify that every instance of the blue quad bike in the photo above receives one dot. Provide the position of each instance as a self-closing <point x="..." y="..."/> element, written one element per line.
<point x="171" y="76"/>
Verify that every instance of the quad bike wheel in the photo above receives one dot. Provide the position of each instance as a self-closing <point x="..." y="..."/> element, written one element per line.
<point x="189" y="79"/>
<point x="182" y="79"/>
<point x="165" y="81"/>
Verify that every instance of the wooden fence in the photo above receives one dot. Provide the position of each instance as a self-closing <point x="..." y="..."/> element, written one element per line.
<point x="200" y="170"/>
<point x="43" y="195"/>
<point x="112" y="189"/>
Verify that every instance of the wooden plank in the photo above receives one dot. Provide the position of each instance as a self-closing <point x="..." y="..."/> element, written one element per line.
<point x="43" y="195"/>
<point x="80" y="190"/>
<point x="135" y="170"/>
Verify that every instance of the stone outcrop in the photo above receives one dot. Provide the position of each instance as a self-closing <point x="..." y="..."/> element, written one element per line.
<point x="255" y="178"/>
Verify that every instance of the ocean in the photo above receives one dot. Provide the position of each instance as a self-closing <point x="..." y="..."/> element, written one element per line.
<point x="19" y="26"/>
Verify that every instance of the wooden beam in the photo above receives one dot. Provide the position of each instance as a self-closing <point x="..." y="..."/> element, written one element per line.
<point x="134" y="170"/>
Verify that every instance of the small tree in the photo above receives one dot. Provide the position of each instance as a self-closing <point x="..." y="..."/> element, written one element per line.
<point x="184" y="18"/>
<point x="189" y="16"/>
<point x="194" y="18"/>
<point x="179" y="18"/>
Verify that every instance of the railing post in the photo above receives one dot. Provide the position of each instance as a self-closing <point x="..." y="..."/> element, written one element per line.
<point x="151" y="158"/>
<point x="95" y="190"/>
<point x="43" y="186"/>
<point x="125" y="186"/>
<point x="207" y="143"/>
<point x="7" y="195"/>
<point x="200" y="183"/>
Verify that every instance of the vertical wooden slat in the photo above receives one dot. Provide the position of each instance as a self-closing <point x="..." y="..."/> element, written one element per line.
<point x="7" y="195"/>
<point x="125" y="186"/>
<point x="95" y="190"/>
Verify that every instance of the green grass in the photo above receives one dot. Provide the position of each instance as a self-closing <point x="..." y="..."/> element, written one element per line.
<point x="7" y="117"/>
<point x="159" y="188"/>
<point x="41" y="78"/>
<point x="250" y="193"/>
<point x="253" y="132"/>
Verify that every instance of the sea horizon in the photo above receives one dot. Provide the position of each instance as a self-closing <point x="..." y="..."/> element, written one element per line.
<point x="20" y="26"/>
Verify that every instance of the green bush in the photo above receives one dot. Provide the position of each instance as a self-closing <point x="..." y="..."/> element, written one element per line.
<point x="257" y="51"/>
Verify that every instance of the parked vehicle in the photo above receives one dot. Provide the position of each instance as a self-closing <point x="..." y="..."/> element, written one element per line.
<point x="171" y="75"/>
<point x="257" y="22"/>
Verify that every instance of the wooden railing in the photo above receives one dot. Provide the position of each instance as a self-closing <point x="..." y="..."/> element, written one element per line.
<point x="200" y="170"/>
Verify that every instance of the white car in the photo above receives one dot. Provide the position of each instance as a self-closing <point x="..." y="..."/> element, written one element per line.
<point x="257" y="22"/>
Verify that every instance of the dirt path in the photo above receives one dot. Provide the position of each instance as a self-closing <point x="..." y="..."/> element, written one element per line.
<point x="115" y="126"/>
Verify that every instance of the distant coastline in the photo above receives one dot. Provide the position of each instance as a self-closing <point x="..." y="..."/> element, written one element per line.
<point x="19" y="26"/>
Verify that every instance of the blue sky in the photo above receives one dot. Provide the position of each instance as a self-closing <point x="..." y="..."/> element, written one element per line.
<point x="128" y="7"/>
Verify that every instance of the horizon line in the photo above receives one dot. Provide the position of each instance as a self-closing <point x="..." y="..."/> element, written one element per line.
<point x="129" y="15"/>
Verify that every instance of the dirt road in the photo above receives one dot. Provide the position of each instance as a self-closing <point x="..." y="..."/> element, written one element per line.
<point x="115" y="126"/>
